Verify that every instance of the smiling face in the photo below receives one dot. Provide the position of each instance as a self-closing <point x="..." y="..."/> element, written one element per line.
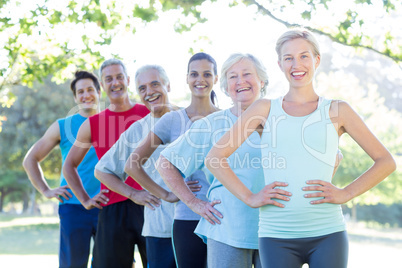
<point x="201" y="78"/>
<point x="115" y="82"/>
<point x="244" y="85"/>
<point x="86" y="95"/>
<point x="298" y="62"/>
<point x="153" y="91"/>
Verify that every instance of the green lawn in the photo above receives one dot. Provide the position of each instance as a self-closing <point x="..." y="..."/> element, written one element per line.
<point x="27" y="236"/>
<point x="30" y="239"/>
<point x="33" y="242"/>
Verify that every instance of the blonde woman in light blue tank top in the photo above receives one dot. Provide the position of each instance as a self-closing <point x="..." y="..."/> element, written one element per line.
<point x="302" y="222"/>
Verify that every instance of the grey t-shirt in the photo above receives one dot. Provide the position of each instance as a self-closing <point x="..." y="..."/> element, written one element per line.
<point x="171" y="126"/>
<point x="158" y="222"/>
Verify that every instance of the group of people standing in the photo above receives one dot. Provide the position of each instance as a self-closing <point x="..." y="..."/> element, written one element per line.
<point x="195" y="186"/>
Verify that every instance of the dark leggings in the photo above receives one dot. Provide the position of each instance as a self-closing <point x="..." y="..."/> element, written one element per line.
<point x="160" y="252"/>
<point x="190" y="250"/>
<point x="329" y="251"/>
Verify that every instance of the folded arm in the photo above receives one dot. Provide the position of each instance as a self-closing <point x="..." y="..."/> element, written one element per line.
<point x="175" y="182"/>
<point x="115" y="184"/>
<point x="135" y="169"/>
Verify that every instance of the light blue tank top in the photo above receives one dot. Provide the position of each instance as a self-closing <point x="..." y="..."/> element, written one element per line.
<point x="69" y="127"/>
<point x="294" y="150"/>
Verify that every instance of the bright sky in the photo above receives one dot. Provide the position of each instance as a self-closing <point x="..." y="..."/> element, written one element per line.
<point x="228" y="30"/>
<point x="158" y="43"/>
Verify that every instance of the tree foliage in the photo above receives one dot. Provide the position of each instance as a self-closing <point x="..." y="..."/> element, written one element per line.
<point x="26" y="121"/>
<point x="386" y="124"/>
<point x="348" y="24"/>
<point x="46" y="37"/>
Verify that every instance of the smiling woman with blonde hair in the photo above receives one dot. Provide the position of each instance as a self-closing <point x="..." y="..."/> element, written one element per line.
<point x="303" y="129"/>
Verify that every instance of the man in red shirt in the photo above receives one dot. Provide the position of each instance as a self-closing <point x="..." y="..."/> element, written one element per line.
<point x="120" y="220"/>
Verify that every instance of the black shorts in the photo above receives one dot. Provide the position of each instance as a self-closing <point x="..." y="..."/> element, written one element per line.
<point x="119" y="230"/>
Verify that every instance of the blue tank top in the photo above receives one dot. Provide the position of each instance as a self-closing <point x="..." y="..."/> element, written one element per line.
<point x="294" y="150"/>
<point x="69" y="127"/>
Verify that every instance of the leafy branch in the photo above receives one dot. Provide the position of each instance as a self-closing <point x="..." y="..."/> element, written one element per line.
<point x="342" y="36"/>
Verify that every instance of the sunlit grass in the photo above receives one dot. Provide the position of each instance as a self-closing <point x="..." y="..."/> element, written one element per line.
<point x="11" y="221"/>
<point x="33" y="242"/>
<point x="29" y="235"/>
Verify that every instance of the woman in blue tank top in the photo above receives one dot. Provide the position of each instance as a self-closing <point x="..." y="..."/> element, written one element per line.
<point x="302" y="222"/>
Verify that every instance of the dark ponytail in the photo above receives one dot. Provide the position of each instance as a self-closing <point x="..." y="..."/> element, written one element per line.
<point x="214" y="98"/>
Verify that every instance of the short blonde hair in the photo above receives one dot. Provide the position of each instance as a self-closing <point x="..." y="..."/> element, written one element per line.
<point x="235" y="58"/>
<point x="294" y="34"/>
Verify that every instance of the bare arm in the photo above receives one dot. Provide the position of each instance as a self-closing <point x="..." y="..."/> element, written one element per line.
<point x="216" y="161"/>
<point x="348" y="121"/>
<point x="135" y="170"/>
<point x="339" y="157"/>
<point x="35" y="155"/>
<point x="115" y="184"/>
<point x="175" y="182"/>
<point x="77" y="153"/>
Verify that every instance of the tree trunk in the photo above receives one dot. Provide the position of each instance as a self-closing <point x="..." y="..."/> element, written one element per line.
<point x="33" y="203"/>
<point x="354" y="213"/>
<point x="1" y="200"/>
<point x="25" y="202"/>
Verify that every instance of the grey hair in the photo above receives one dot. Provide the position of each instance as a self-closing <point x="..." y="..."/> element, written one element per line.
<point x="235" y="58"/>
<point x="112" y="61"/>
<point x="161" y="71"/>
<point x="294" y="34"/>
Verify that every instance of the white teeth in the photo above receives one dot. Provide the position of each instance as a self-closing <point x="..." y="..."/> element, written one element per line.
<point x="200" y="86"/>
<point x="298" y="73"/>
<point x="152" y="97"/>
<point x="242" y="89"/>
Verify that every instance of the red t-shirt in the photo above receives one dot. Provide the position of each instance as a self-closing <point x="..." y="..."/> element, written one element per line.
<point x="106" y="128"/>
